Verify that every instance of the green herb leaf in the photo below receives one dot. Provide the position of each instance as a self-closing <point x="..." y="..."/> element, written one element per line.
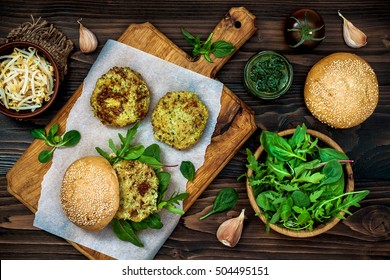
<point x="300" y="199"/>
<point x="133" y="152"/>
<point x="222" y="48"/>
<point x="71" y="138"/>
<point x="226" y="199"/>
<point x="153" y="222"/>
<point x="299" y="185"/>
<point x="277" y="146"/>
<point x="151" y="161"/>
<point x="218" y="49"/>
<point x="125" y="232"/>
<point x="327" y="154"/>
<point x="187" y="168"/>
<point x="333" y="171"/>
<point x="39" y="133"/>
<point x="164" y="179"/>
<point x="45" y="156"/>
<point x="153" y="151"/>
<point x="298" y="137"/>
<point x="188" y="37"/>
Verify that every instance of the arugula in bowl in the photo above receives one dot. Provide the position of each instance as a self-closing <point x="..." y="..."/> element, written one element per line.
<point x="297" y="184"/>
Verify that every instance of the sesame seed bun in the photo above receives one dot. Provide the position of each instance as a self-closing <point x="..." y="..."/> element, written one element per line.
<point x="341" y="90"/>
<point x="90" y="192"/>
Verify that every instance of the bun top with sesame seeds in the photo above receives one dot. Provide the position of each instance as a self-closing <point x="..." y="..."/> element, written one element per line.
<point x="90" y="192"/>
<point x="341" y="90"/>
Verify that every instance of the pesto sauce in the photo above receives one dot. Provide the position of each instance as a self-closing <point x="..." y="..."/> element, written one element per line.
<point x="269" y="74"/>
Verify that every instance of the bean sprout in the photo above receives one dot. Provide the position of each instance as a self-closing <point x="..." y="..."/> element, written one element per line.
<point x="26" y="80"/>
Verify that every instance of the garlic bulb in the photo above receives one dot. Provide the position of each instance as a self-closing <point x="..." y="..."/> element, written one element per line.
<point x="229" y="232"/>
<point x="88" y="41"/>
<point x="353" y="36"/>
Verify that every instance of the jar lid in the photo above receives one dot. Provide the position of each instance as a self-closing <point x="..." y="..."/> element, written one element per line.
<point x="268" y="75"/>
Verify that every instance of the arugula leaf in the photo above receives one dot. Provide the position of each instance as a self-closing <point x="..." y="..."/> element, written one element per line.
<point x="306" y="176"/>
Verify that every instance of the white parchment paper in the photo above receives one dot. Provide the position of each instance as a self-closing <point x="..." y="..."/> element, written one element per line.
<point x="161" y="77"/>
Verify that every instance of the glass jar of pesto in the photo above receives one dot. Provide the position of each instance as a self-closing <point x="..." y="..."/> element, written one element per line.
<point x="268" y="75"/>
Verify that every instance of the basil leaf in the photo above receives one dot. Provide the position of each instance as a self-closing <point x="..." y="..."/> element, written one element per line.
<point x="226" y="199"/>
<point x="187" y="168"/>
<point x="70" y="138"/>
<point x="125" y="232"/>
<point x="188" y="37"/>
<point x="222" y="48"/>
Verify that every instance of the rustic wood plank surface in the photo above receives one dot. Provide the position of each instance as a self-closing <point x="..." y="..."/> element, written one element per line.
<point x="364" y="235"/>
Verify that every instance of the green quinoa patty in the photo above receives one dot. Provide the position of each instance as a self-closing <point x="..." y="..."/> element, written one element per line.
<point x="138" y="190"/>
<point x="179" y="119"/>
<point x="121" y="97"/>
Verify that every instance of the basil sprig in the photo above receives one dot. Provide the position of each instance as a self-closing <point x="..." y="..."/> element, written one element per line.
<point x="219" y="48"/>
<point x="126" y="230"/>
<point x="54" y="140"/>
<point x="300" y="185"/>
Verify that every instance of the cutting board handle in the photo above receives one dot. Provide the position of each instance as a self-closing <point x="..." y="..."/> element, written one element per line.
<point x="236" y="27"/>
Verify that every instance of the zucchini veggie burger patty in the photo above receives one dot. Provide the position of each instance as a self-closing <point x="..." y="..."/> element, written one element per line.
<point x="179" y="119"/>
<point x="121" y="97"/>
<point x="138" y="190"/>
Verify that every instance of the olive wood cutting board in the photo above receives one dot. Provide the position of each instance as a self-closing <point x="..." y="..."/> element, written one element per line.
<point x="235" y="122"/>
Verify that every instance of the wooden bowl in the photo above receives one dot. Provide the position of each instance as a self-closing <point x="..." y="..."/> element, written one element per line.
<point x="349" y="187"/>
<point x="25" y="114"/>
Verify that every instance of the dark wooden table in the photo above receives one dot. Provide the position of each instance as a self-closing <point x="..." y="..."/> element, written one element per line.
<point x="364" y="235"/>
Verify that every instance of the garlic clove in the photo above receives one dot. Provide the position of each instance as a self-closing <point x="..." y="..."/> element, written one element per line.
<point x="353" y="36"/>
<point x="229" y="232"/>
<point x="87" y="40"/>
